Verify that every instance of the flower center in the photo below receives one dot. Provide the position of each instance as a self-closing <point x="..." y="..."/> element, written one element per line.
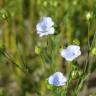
<point x="70" y="54"/>
<point x="56" y="80"/>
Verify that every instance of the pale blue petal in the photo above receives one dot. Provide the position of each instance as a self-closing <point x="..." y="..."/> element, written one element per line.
<point x="47" y="32"/>
<point x="71" y="52"/>
<point x="48" y="22"/>
<point x="39" y="28"/>
<point x="57" y="79"/>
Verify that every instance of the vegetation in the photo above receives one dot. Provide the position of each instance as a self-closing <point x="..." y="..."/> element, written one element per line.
<point x="27" y="60"/>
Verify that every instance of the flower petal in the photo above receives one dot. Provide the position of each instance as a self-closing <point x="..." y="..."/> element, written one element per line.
<point x="57" y="79"/>
<point x="71" y="52"/>
<point x="39" y="28"/>
<point x="44" y="27"/>
<point x="48" y="21"/>
<point x="49" y="31"/>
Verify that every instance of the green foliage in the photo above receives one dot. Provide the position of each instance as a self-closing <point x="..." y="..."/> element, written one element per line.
<point x="94" y="51"/>
<point x="3" y="14"/>
<point x="26" y="59"/>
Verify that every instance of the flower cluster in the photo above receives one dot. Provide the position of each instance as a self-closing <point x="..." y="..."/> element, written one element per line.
<point x="45" y="27"/>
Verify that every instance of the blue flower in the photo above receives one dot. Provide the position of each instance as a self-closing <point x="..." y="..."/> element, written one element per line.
<point x="57" y="79"/>
<point x="71" y="52"/>
<point x="45" y="27"/>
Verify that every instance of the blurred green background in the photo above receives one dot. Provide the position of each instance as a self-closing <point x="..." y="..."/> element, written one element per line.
<point x="18" y="18"/>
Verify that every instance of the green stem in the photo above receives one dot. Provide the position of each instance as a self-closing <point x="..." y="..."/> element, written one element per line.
<point x="11" y="61"/>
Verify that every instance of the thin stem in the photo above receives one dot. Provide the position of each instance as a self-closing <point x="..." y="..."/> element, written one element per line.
<point x="11" y="61"/>
<point x="81" y="84"/>
<point x="93" y="41"/>
<point x="88" y="35"/>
